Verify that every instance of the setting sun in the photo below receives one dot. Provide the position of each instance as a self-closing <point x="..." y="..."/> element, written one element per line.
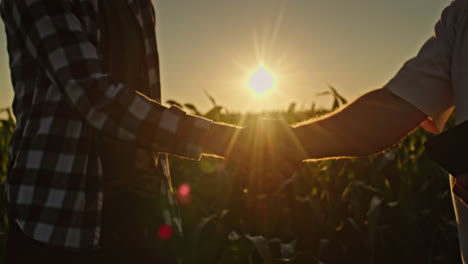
<point x="261" y="81"/>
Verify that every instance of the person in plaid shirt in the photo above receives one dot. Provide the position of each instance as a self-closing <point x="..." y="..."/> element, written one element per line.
<point x="66" y="101"/>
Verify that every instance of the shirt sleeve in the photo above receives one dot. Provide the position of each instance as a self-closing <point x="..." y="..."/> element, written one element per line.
<point x="57" y="41"/>
<point x="425" y="80"/>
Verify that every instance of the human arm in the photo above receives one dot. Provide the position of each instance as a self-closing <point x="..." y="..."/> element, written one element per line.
<point x="420" y="93"/>
<point x="220" y="139"/>
<point x="372" y="123"/>
<point x="422" y="88"/>
<point x="59" y="42"/>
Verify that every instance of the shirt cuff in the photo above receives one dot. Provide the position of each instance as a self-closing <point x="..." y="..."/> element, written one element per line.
<point x="190" y="135"/>
<point x="437" y="111"/>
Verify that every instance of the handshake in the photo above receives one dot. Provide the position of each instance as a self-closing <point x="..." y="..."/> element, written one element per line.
<point x="262" y="156"/>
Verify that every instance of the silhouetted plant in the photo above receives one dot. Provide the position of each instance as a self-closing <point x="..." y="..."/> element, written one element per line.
<point x="394" y="207"/>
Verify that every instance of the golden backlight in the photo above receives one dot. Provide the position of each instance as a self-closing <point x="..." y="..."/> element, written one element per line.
<point x="261" y="81"/>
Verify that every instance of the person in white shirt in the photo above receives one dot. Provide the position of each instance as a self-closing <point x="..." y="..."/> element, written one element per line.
<point x="423" y="93"/>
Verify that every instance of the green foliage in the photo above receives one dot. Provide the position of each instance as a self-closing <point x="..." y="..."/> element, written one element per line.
<point x="6" y="129"/>
<point x="394" y="207"/>
<point x="337" y="98"/>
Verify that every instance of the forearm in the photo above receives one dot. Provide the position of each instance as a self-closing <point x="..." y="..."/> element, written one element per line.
<point x="62" y="47"/>
<point x="371" y="124"/>
<point x="220" y="139"/>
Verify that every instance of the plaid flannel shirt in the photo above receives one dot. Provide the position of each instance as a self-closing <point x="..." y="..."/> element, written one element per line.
<point x="63" y="101"/>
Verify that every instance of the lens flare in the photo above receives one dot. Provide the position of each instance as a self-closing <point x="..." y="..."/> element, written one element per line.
<point x="165" y="232"/>
<point x="183" y="194"/>
<point x="184" y="190"/>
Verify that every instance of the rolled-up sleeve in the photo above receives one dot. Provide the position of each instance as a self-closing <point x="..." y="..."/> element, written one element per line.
<point x="425" y="80"/>
<point x="57" y="41"/>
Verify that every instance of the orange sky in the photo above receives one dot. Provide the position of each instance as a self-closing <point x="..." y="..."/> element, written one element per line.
<point x="210" y="45"/>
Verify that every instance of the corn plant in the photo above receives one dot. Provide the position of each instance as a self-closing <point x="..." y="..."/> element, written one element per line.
<point x="6" y="129"/>
<point x="394" y="207"/>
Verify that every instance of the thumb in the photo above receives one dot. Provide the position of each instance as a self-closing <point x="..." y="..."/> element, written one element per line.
<point x="430" y="126"/>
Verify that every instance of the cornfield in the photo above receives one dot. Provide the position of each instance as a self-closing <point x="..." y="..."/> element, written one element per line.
<point x="394" y="207"/>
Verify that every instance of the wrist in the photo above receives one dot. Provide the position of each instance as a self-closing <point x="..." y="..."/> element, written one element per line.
<point x="220" y="139"/>
<point x="317" y="142"/>
<point x="296" y="147"/>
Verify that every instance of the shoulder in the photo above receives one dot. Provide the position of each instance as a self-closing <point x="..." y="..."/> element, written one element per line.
<point x="455" y="11"/>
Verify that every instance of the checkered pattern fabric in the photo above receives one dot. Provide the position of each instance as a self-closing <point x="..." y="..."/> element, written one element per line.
<point x="63" y="101"/>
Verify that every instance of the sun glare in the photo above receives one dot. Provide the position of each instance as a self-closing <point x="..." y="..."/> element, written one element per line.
<point x="261" y="81"/>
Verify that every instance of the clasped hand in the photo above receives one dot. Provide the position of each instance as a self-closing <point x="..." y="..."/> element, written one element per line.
<point x="265" y="154"/>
